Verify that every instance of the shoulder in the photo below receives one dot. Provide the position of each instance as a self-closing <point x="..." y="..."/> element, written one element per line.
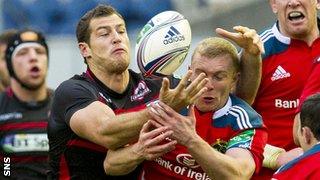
<point x="74" y="90"/>
<point x="76" y="83"/>
<point x="274" y="42"/>
<point x="309" y="158"/>
<point x="246" y="117"/>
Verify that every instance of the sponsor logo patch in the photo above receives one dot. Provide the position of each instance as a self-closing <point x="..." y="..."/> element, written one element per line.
<point x="25" y="143"/>
<point x="242" y="140"/>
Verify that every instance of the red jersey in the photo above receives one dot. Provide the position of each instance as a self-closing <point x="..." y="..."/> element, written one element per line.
<point x="286" y="69"/>
<point x="235" y="125"/>
<point x="312" y="85"/>
<point x="305" y="167"/>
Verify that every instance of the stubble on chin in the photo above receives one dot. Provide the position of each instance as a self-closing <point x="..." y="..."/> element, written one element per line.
<point x="35" y="86"/>
<point x="119" y="66"/>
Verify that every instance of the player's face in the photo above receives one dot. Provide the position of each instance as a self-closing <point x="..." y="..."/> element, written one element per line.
<point x="222" y="78"/>
<point x="109" y="43"/>
<point x="30" y="65"/>
<point x="4" y="75"/>
<point x="297" y="18"/>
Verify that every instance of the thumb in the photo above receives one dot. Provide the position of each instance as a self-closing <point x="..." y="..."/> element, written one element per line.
<point x="191" y="111"/>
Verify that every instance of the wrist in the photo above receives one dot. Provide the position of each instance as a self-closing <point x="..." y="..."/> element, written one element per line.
<point x="137" y="154"/>
<point x="247" y="53"/>
<point x="193" y="142"/>
<point x="271" y="154"/>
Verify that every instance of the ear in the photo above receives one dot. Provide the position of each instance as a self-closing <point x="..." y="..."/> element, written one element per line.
<point x="236" y="78"/>
<point x="84" y="49"/>
<point x="318" y="4"/>
<point x="273" y="6"/>
<point x="307" y="135"/>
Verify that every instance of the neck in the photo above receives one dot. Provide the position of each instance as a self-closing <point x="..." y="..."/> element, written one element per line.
<point x="309" y="37"/>
<point x="27" y="95"/>
<point x="117" y="82"/>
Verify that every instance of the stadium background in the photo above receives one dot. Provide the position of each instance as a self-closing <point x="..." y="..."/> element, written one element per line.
<point x="58" y="18"/>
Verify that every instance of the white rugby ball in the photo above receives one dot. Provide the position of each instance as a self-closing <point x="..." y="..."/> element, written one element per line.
<point x="163" y="44"/>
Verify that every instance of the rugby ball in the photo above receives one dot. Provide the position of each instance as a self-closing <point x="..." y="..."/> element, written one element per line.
<point x="163" y="44"/>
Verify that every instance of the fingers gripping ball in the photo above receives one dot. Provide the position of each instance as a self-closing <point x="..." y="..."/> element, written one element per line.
<point x="162" y="44"/>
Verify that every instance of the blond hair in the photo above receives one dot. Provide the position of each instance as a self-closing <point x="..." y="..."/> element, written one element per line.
<point x="214" y="46"/>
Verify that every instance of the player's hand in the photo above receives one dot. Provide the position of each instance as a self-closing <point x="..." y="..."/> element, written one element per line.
<point x="151" y="142"/>
<point x="183" y="94"/>
<point x="246" y="38"/>
<point x="183" y="127"/>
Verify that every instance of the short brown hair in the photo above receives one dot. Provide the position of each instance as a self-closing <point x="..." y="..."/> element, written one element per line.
<point x="310" y="114"/>
<point x="214" y="46"/>
<point x="83" y="28"/>
<point x="7" y="35"/>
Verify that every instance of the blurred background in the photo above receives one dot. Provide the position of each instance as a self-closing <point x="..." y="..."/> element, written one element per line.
<point x="57" y="19"/>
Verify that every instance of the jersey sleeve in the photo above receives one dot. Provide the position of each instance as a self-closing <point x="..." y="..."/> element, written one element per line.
<point x="250" y="132"/>
<point x="254" y="140"/>
<point x="72" y="96"/>
<point x="312" y="85"/>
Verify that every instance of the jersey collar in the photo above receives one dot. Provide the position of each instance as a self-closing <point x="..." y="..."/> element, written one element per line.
<point x="224" y="110"/>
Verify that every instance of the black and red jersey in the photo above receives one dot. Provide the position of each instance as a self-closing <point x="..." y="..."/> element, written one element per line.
<point x="23" y="137"/>
<point x="72" y="156"/>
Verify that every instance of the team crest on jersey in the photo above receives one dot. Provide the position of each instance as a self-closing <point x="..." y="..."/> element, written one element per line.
<point x="187" y="160"/>
<point x="220" y="145"/>
<point x="140" y="91"/>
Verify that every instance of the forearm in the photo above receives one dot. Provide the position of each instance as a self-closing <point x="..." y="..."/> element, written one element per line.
<point x="250" y="77"/>
<point x="216" y="164"/>
<point x="122" y="161"/>
<point x="125" y="128"/>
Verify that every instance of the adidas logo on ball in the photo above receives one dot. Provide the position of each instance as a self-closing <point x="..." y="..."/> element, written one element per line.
<point x="173" y="35"/>
<point x="163" y="44"/>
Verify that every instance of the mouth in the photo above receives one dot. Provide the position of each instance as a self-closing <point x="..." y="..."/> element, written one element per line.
<point x="35" y="71"/>
<point x="208" y="99"/>
<point x="119" y="50"/>
<point x="296" y="16"/>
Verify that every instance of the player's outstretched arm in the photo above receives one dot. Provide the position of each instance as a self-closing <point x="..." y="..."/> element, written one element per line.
<point x="98" y="123"/>
<point x="252" y="45"/>
<point x="124" y="160"/>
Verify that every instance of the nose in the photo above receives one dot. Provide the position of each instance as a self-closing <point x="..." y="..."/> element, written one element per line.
<point x="33" y="55"/>
<point x="116" y="38"/>
<point x="210" y="84"/>
<point x="293" y="3"/>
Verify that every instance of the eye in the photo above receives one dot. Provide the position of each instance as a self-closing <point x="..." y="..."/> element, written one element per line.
<point x="218" y="77"/>
<point x="41" y="51"/>
<point x="22" y="52"/>
<point x="104" y="34"/>
<point x="122" y="31"/>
